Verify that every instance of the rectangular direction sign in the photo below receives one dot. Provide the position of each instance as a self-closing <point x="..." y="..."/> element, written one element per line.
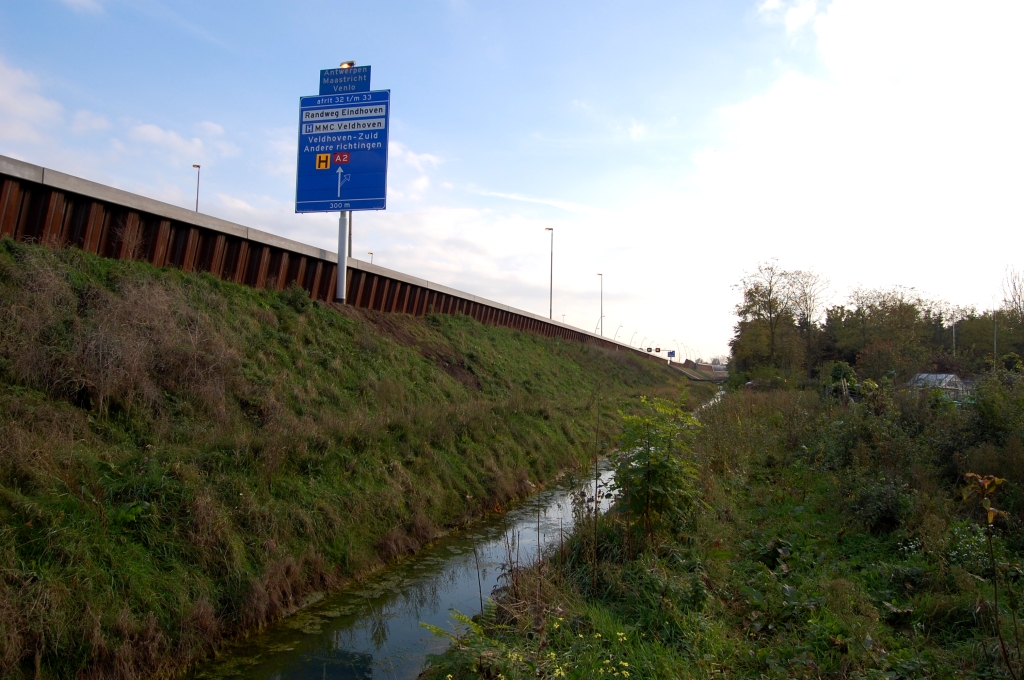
<point x="343" y="152"/>
<point x="345" y="80"/>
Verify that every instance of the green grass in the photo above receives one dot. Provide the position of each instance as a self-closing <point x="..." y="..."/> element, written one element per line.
<point x="184" y="459"/>
<point x="829" y="541"/>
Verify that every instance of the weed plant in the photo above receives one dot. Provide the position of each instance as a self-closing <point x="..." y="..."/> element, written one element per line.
<point x="184" y="459"/>
<point x="825" y="539"/>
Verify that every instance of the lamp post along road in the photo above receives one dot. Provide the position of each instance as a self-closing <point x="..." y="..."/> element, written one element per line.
<point x="197" y="187"/>
<point x="601" y="320"/>
<point x="551" y="273"/>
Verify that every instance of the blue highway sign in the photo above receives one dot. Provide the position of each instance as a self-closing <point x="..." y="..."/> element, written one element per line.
<point x="345" y="80"/>
<point x="343" y="152"/>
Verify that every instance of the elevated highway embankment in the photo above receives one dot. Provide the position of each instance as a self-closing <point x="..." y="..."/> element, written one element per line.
<point x="59" y="210"/>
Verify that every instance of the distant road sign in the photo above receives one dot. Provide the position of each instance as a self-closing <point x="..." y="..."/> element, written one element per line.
<point x="345" y="80"/>
<point x="671" y="353"/>
<point x="343" y="152"/>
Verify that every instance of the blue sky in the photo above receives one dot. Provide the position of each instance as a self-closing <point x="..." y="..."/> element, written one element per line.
<point x="671" y="145"/>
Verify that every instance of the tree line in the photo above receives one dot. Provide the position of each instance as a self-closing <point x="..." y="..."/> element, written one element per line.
<point x="787" y="330"/>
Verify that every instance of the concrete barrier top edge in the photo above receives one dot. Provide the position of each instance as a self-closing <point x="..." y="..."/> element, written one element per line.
<point x="21" y="169"/>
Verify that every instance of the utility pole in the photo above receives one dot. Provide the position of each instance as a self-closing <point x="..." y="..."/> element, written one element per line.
<point x="601" y="321"/>
<point x="551" y="273"/>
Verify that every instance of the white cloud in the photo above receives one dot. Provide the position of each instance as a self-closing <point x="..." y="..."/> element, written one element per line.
<point x="87" y="121"/>
<point x="794" y="14"/>
<point x="637" y="131"/>
<point x="800" y="14"/>
<point x="905" y="151"/>
<point x="561" y="205"/>
<point x="409" y="172"/>
<point x="897" y="149"/>
<point x="226" y="149"/>
<point x="25" y="115"/>
<point x="237" y="206"/>
<point x="211" y="128"/>
<point x="400" y="154"/>
<point x="83" y="5"/>
<point x="171" y="142"/>
<point x="180" y="149"/>
<point x="278" y="152"/>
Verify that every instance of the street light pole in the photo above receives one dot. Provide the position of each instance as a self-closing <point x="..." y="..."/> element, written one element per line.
<point x="642" y="343"/>
<point x="601" y="321"/>
<point x="197" y="187"/>
<point x="617" y="332"/>
<point x="631" y="338"/>
<point x="551" y="273"/>
<point x="677" y="348"/>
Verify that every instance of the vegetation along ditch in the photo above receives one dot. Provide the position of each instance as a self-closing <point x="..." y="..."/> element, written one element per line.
<point x="829" y="517"/>
<point x="183" y="460"/>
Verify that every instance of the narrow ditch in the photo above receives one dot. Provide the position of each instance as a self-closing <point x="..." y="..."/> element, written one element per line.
<point x="372" y="628"/>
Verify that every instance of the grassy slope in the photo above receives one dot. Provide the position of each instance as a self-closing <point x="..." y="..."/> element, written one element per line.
<point x="828" y="545"/>
<point x="183" y="458"/>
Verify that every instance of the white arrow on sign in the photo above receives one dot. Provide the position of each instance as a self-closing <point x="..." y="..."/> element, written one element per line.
<point x="341" y="180"/>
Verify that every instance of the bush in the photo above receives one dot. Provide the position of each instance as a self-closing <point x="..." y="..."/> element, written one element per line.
<point x="881" y="504"/>
<point x="654" y="480"/>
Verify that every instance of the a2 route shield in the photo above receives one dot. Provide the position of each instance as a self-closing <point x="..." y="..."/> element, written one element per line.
<point x="343" y="152"/>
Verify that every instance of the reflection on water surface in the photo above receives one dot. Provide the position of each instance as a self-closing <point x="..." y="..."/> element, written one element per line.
<point x="372" y="629"/>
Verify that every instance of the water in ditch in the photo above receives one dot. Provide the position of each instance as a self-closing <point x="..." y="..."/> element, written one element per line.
<point x="372" y="629"/>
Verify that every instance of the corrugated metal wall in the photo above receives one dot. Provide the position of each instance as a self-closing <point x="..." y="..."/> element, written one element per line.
<point x="34" y="211"/>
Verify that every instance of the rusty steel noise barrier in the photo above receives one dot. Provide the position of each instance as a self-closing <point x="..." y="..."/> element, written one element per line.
<point x="59" y="210"/>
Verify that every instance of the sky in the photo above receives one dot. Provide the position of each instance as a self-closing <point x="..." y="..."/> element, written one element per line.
<point x="670" y="145"/>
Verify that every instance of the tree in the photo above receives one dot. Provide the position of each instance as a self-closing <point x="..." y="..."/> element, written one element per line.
<point x="807" y="292"/>
<point x="767" y="297"/>
<point x="1013" y="294"/>
<point x="883" y="330"/>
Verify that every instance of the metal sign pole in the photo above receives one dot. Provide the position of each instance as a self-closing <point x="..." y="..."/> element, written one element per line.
<point x="344" y="232"/>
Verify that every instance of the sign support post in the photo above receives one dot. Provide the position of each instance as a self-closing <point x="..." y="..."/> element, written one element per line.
<point x="344" y="234"/>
